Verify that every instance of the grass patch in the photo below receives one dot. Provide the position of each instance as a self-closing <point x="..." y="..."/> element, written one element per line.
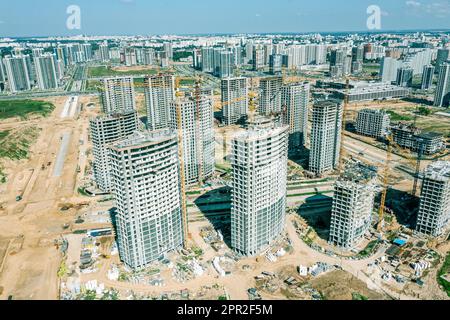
<point x="399" y="117"/>
<point x="104" y="71"/>
<point x="445" y="270"/>
<point x="369" y="249"/>
<point x="16" y="144"/>
<point x="358" y="296"/>
<point x="24" y="108"/>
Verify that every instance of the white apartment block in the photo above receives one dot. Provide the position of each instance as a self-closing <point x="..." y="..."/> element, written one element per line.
<point x="17" y="73"/>
<point x="434" y="210"/>
<point x="46" y="71"/>
<point x="258" y="201"/>
<point x="372" y="123"/>
<point x="103" y="131"/>
<point x="234" y="100"/>
<point x="197" y="124"/>
<point x="442" y="96"/>
<point x="295" y="102"/>
<point x="118" y="95"/>
<point x="353" y="203"/>
<point x="159" y="92"/>
<point x="325" y="136"/>
<point x="270" y="97"/>
<point x="145" y="175"/>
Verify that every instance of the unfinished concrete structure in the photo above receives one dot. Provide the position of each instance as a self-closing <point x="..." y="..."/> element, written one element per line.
<point x="353" y="201"/>
<point x="434" y="210"/>
<point x="258" y="202"/>
<point x="159" y="92"/>
<point x="145" y="175"/>
<point x="118" y="95"/>
<point x="295" y="100"/>
<point x="372" y="123"/>
<point x="325" y="136"/>
<point x="410" y="137"/>
<point x="197" y="120"/>
<point x="104" y="130"/>
<point x="234" y="100"/>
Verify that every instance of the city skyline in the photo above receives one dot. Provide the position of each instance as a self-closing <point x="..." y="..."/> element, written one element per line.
<point x="187" y="18"/>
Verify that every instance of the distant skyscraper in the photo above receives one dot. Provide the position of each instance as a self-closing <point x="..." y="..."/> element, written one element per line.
<point x="17" y="73"/>
<point x="295" y="100"/>
<point x="427" y="77"/>
<point x="404" y="77"/>
<point x="352" y="209"/>
<point x="159" y="92"/>
<point x="258" y="201"/>
<point x="118" y="95"/>
<point x="276" y="64"/>
<point x="442" y="96"/>
<point x="434" y="210"/>
<point x="197" y="120"/>
<point x="325" y="136"/>
<point x="208" y="59"/>
<point x="258" y="58"/>
<point x="234" y="100"/>
<point x="389" y="67"/>
<point x="46" y="71"/>
<point x="168" y="48"/>
<point x="226" y="64"/>
<point x="104" y="52"/>
<point x="104" y="130"/>
<point x="270" y="98"/>
<point x="145" y="175"/>
<point x="337" y="61"/>
<point x="442" y="56"/>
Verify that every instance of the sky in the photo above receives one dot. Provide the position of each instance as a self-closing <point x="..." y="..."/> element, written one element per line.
<point x="23" y="18"/>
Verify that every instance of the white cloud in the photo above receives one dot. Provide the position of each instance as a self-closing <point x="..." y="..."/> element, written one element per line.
<point x="437" y="9"/>
<point x="258" y="15"/>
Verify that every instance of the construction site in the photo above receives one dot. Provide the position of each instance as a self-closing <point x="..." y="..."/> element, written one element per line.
<point x="58" y="239"/>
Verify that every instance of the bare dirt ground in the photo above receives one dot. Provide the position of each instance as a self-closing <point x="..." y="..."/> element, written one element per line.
<point x="340" y="285"/>
<point x="30" y="226"/>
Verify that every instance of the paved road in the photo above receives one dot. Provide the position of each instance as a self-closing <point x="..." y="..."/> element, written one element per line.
<point x="62" y="153"/>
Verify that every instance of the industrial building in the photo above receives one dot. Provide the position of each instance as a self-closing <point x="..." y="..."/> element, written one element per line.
<point x="259" y="184"/>
<point x="353" y="203"/>
<point x="295" y="102"/>
<point x="118" y="95"/>
<point x="434" y="210"/>
<point x="270" y="97"/>
<point x="325" y="136"/>
<point x="234" y="94"/>
<point x="365" y="91"/>
<point x="195" y="116"/>
<point x="145" y="176"/>
<point x="159" y="92"/>
<point x="372" y="123"/>
<point x="103" y="131"/>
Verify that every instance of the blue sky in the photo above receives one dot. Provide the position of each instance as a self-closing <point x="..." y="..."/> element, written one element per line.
<point x="122" y="17"/>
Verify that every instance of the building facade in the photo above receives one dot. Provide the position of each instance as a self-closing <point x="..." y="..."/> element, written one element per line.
<point x="434" y="209"/>
<point x="103" y="131"/>
<point x="145" y="175"/>
<point x="159" y="92"/>
<point x="118" y="95"/>
<point x="325" y="136"/>
<point x="234" y="100"/>
<point x="372" y="123"/>
<point x="258" y="201"/>
<point x="197" y="124"/>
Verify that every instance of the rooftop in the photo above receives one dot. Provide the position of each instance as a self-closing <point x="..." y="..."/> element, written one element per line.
<point x="144" y="138"/>
<point x="439" y="170"/>
<point x="359" y="172"/>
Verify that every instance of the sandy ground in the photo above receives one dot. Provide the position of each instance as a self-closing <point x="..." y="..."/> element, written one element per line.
<point x="30" y="269"/>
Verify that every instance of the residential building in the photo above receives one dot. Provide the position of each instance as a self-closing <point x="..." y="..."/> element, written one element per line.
<point x="373" y="123"/>
<point x="234" y="100"/>
<point x="118" y="95"/>
<point x="159" y="92"/>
